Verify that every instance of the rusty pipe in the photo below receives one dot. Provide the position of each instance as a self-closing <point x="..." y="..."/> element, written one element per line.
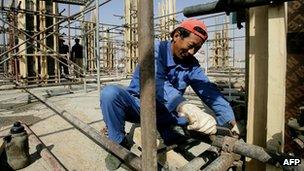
<point x="194" y="164"/>
<point x="255" y="152"/>
<point x="223" y="162"/>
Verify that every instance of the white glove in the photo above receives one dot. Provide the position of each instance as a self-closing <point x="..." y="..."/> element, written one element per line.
<point x="235" y="129"/>
<point x="198" y="120"/>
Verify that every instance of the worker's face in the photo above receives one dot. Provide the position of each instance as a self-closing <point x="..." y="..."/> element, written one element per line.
<point x="184" y="48"/>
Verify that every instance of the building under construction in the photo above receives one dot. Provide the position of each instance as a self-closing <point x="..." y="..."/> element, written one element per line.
<point x="253" y="55"/>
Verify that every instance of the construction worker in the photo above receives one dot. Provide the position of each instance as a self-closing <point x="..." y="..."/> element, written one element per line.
<point x="63" y="49"/>
<point x="176" y="68"/>
<point x="77" y="55"/>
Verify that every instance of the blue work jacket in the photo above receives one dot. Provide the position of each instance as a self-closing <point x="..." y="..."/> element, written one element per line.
<point x="172" y="79"/>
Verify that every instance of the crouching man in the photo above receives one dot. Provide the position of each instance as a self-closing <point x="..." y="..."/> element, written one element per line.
<point x="176" y="68"/>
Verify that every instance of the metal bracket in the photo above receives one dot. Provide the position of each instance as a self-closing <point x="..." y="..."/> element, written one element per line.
<point x="228" y="144"/>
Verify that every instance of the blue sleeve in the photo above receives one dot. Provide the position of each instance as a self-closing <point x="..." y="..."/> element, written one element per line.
<point x="211" y="96"/>
<point x="165" y="92"/>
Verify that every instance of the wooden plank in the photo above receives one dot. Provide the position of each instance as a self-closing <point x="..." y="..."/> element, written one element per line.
<point x="276" y="74"/>
<point x="127" y="36"/>
<point x="266" y="87"/>
<point x="257" y="87"/>
<point x="72" y="2"/>
<point x="42" y="26"/>
<point x="56" y="45"/>
<point x="276" y="79"/>
<point x="21" y="38"/>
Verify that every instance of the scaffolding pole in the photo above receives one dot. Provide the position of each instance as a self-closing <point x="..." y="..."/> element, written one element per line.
<point x="84" y="40"/>
<point x="147" y="86"/>
<point x="97" y="47"/>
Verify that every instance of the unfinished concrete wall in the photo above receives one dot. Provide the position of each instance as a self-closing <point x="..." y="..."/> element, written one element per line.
<point x="295" y="73"/>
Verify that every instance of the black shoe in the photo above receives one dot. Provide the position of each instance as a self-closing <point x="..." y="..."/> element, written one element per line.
<point x="113" y="162"/>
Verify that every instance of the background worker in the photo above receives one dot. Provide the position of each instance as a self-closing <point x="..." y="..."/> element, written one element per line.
<point x="77" y="56"/>
<point x="63" y="49"/>
<point x="176" y="68"/>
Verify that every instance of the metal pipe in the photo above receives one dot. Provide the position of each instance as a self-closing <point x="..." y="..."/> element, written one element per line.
<point x="223" y="162"/>
<point x="147" y="85"/>
<point x="37" y="54"/>
<point x="42" y="85"/>
<point x="255" y="152"/>
<point x="4" y="60"/>
<point x="194" y="164"/>
<point x="166" y="15"/>
<point x="133" y="161"/>
<point x="97" y="47"/>
<point x="73" y="2"/>
<point x="48" y="156"/>
<point x="225" y="6"/>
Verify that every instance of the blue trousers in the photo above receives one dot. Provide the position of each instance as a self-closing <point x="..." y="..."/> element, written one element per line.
<point x="118" y="106"/>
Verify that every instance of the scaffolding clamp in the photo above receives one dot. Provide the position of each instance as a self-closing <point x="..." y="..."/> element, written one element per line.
<point x="228" y="144"/>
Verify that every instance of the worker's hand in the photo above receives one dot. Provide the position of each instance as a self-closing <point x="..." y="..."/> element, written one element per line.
<point x="198" y="119"/>
<point x="235" y="129"/>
